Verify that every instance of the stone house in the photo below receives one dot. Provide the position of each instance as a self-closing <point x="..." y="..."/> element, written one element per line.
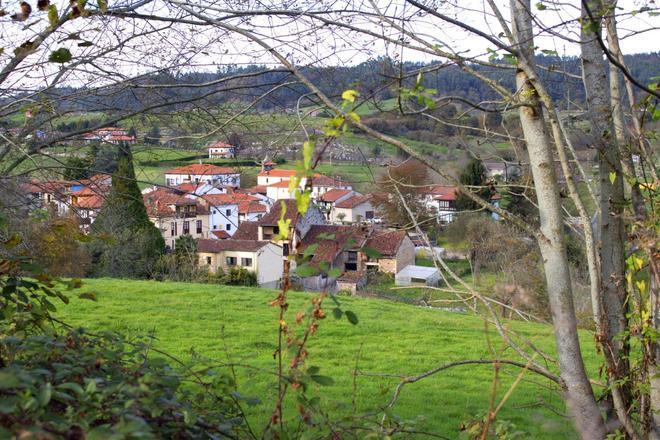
<point x="396" y="251"/>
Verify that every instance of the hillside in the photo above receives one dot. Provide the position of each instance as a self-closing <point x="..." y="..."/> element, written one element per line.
<point x="391" y="338"/>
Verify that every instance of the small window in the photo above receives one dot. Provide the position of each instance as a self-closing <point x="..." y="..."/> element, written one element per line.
<point x="215" y="227"/>
<point x="208" y="260"/>
<point x="186" y="227"/>
<point x="246" y="262"/>
<point x="228" y="227"/>
<point x="231" y="261"/>
<point x="228" y="212"/>
<point x="199" y="226"/>
<point x="285" y="249"/>
<point x="369" y="215"/>
<point x="173" y="229"/>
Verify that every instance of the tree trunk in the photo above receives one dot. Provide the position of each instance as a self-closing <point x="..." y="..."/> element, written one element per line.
<point x="579" y="395"/>
<point x="611" y="198"/>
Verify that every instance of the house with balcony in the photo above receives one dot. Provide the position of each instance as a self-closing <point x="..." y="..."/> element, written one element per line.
<point x="221" y="150"/>
<point x="203" y="173"/>
<point x="442" y="200"/>
<point x="175" y="215"/>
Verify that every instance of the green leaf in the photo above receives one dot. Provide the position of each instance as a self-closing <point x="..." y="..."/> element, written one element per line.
<point x="302" y="201"/>
<point x="45" y="394"/>
<point x="323" y="380"/>
<point x="309" y="250"/>
<point x="612" y="176"/>
<point x="349" y="95"/>
<point x="61" y="55"/>
<point x="53" y="17"/>
<point x="313" y="370"/>
<point x="71" y="386"/>
<point x="8" y="380"/>
<point x="370" y="252"/>
<point x="305" y="270"/>
<point x="337" y="313"/>
<point x="103" y="5"/>
<point x="308" y="152"/>
<point x="540" y="6"/>
<point x="334" y="272"/>
<point x="352" y="317"/>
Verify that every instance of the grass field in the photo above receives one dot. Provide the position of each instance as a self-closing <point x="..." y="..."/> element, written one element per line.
<point x="391" y="338"/>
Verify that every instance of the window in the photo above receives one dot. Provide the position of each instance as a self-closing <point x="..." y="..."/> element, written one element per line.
<point x="369" y="215"/>
<point x="186" y="227"/>
<point x="173" y="229"/>
<point x="208" y="260"/>
<point x="246" y="262"/>
<point x="199" y="226"/>
<point x="228" y="227"/>
<point x="231" y="261"/>
<point x="228" y="212"/>
<point x="285" y="249"/>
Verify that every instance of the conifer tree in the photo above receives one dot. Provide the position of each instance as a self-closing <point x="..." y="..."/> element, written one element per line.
<point x="125" y="242"/>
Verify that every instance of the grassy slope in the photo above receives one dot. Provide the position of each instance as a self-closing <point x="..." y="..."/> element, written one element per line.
<point x="393" y="338"/>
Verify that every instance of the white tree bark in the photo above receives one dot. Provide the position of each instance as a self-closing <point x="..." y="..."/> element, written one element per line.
<point x="579" y="395"/>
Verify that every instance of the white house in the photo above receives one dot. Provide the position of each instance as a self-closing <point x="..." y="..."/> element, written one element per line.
<point x="279" y="191"/>
<point x="223" y="212"/>
<point x="221" y="150"/>
<point x="202" y="172"/>
<point x="271" y="176"/>
<point x="442" y="199"/>
<point x="264" y="258"/>
<point x="355" y="209"/>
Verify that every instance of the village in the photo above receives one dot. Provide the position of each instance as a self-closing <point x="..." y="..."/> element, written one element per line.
<point x="237" y="227"/>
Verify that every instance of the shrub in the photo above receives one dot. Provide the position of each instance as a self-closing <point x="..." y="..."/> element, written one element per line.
<point x="239" y="276"/>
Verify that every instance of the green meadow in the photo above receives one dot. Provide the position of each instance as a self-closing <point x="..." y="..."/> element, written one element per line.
<point x="392" y="340"/>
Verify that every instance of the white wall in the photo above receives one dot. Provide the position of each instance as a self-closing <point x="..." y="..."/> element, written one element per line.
<point x="218" y="179"/>
<point x="219" y="220"/>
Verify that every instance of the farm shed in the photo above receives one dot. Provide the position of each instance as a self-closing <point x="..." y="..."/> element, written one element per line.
<point x="415" y="275"/>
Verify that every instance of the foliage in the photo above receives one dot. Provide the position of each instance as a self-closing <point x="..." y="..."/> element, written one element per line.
<point x="409" y="179"/>
<point x="125" y="242"/>
<point x="240" y="276"/>
<point x="473" y="176"/>
<point x="153" y="136"/>
<point x="76" y="168"/>
<point x="56" y="382"/>
<point x="182" y="263"/>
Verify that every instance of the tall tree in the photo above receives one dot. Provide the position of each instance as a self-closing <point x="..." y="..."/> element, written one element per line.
<point x="126" y="243"/>
<point x="474" y="177"/>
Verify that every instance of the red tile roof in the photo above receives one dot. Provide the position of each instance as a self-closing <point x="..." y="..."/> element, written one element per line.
<point x="386" y="243"/>
<point x="354" y="201"/>
<point x="280" y="184"/>
<point x="90" y="202"/>
<point x="259" y="189"/>
<point x="232" y="198"/>
<point x="441" y="192"/>
<point x="274" y="215"/>
<point x="215" y="246"/>
<point x="278" y="173"/>
<point x="332" y="240"/>
<point x="220" y="144"/>
<point x="203" y="169"/>
<point x="334" y="194"/>
<point x="251" y="207"/>
<point x="221" y="235"/>
<point x="247" y="231"/>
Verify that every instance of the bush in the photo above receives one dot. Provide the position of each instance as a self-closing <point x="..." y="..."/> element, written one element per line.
<point x="239" y="276"/>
